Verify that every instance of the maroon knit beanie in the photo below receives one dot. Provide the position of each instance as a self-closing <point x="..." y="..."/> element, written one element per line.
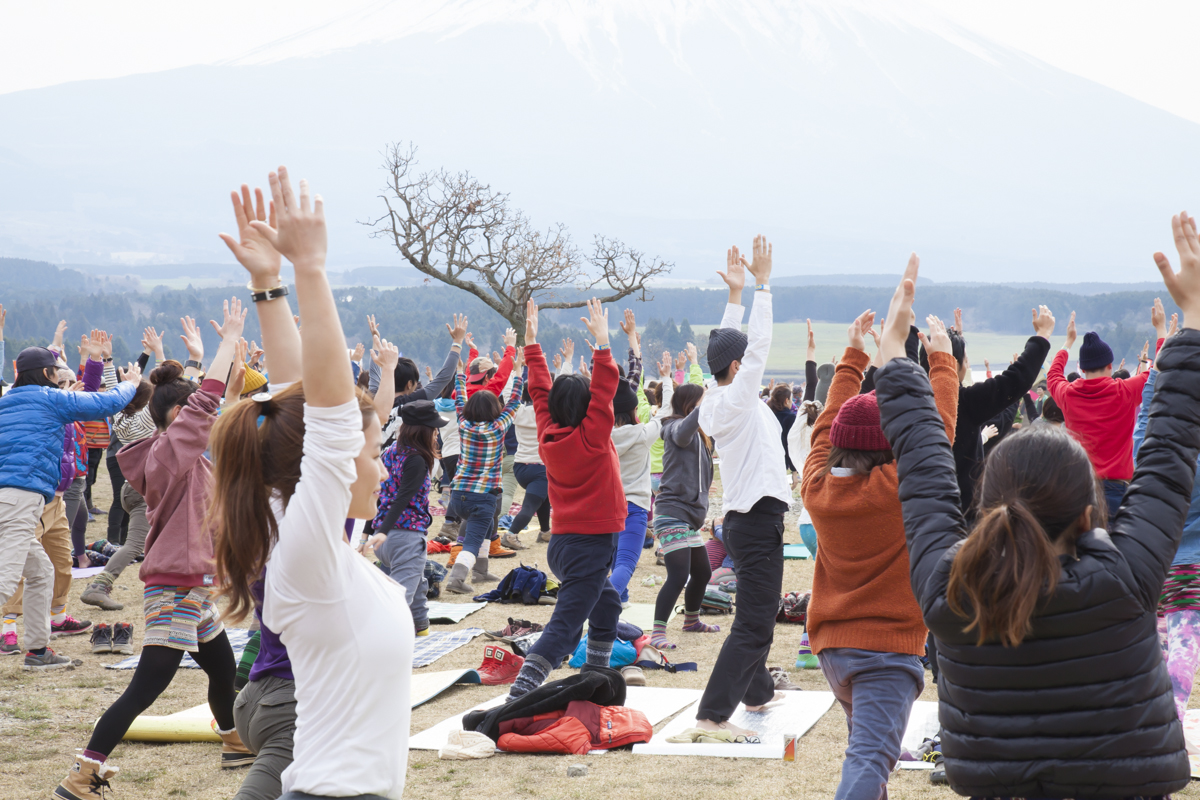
<point x="856" y="426"/>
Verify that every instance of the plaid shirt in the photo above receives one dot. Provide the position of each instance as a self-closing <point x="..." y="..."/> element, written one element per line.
<point x="481" y="444"/>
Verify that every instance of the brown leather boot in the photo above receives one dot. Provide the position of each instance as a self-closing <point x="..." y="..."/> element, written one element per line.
<point x="86" y="781"/>
<point x="233" y="752"/>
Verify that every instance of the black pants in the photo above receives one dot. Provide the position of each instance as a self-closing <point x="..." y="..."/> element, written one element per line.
<point x="740" y="675"/>
<point x="95" y="454"/>
<point x="449" y="470"/>
<point x="118" y="520"/>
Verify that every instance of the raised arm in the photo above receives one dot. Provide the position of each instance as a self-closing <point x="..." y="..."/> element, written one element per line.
<point x="385" y="358"/>
<point x="598" y="424"/>
<point x="540" y="379"/>
<point x="846" y="380"/>
<point x="255" y="251"/>
<point x="743" y="390"/>
<point x="1143" y="417"/>
<point x="458" y="332"/>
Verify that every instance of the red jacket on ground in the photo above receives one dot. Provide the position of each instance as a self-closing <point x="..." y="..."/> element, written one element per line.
<point x="584" y="474"/>
<point x="1101" y="412"/>
<point x="581" y="727"/>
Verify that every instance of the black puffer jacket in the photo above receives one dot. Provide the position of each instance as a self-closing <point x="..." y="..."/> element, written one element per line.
<point x="1083" y="706"/>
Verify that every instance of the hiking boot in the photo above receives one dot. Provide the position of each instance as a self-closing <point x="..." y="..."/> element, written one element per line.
<point x="498" y="550"/>
<point x="513" y="541"/>
<point x="633" y="675"/>
<point x="938" y="777"/>
<point x="456" y="581"/>
<point x="233" y="752"/>
<point x="543" y="537"/>
<point x="122" y="638"/>
<point x="450" y="530"/>
<point x="87" y="780"/>
<point x="102" y="638"/>
<point x="69" y="627"/>
<point x="479" y="572"/>
<point x="499" y="666"/>
<point x="99" y="594"/>
<point x="9" y="646"/>
<point x="455" y="549"/>
<point x="782" y="682"/>
<point x="46" y="662"/>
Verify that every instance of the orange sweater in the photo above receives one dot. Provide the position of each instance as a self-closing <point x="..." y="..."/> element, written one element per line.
<point x="862" y="594"/>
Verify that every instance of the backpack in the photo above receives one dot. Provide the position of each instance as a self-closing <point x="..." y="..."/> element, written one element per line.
<point x="435" y="573"/>
<point x="521" y="585"/>
<point x="716" y="602"/>
<point x="793" y="607"/>
<point x="623" y="654"/>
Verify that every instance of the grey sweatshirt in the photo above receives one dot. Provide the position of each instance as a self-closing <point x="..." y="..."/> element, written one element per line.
<point x="687" y="472"/>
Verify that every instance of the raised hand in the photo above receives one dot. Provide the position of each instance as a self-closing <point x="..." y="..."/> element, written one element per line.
<point x="938" y="340"/>
<point x="237" y="374"/>
<point x="664" y="366"/>
<point x="3" y="315"/>
<point x="91" y="346"/>
<point x="583" y="368"/>
<point x="680" y="360"/>
<point x="1158" y="318"/>
<point x="106" y="345"/>
<point x="988" y="432"/>
<point x="558" y="360"/>
<point x="568" y="349"/>
<point x="734" y="274"/>
<point x="519" y="359"/>
<point x="458" y="331"/>
<point x="152" y="343"/>
<point x="1174" y="326"/>
<point x="811" y="354"/>
<point x="531" y="323"/>
<point x="235" y="320"/>
<point x="131" y="374"/>
<point x="760" y="267"/>
<point x="597" y="321"/>
<point x="958" y="323"/>
<point x="987" y="366"/>
<point x="1043" y="322"/>
<point x="301" y="235"/>
<point x="1121" y="366"/>
<point x="375" y="328"/>
<point x="191" y="339"/>
<point x="57" y="343"/>
<point x="253" y="249"/>
<point x="510" y="340"/>
<point x="495" y="357"/>
<point x="692" y="354"/>
<point x="1184" y="286"/>
<point x="256" y="353"/>
<point x="895" y="329"/>
<point x="629" y="326"/>
<point x="387" y="356"/>
<point x="1070" y="333"/>
<point x="858" y="329"/>
<point x="428" y="372"/>
<point x="357" y="355"/>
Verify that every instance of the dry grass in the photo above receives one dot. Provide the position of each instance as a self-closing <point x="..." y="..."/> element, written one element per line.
<point x="44" y="718"/>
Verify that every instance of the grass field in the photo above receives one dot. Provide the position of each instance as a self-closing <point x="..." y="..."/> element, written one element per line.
<point x="44" y="718"/>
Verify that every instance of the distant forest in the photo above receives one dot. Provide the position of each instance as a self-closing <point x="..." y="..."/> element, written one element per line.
<point x="37" y="295"/>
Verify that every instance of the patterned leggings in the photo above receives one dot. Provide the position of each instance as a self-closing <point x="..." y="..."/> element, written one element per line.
<point x="1179" y="630"/>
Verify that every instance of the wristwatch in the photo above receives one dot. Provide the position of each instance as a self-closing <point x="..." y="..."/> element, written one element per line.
<point x="259" y="295"/>
<point x="193" y="363"/>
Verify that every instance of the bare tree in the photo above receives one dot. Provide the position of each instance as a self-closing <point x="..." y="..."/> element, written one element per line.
<point x="460" y="231"/>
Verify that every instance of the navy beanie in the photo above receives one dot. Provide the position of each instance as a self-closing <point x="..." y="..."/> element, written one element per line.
<point x="1094" y="353"/>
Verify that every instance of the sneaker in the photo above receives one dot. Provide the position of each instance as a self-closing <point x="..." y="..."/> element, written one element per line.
<point x="499" y="666"/>
<point x="782" y="682"/>
<point x="102" y="638"/>
<point x="633" y="675"/>
<point x="122" y="638"/>
<point x="87" y="780"/>
<point x="46" y="662"/>
<point x="69" y="627"/>
<point x="423" y="632"/>
<point x="543" y="537"/>
<point x="512" y="541"/>
<point x="938" y="777"/>
<point x="99" y="594"/>
<point x="9" y="645"/>
<point x="514" y="629"/>
<point x="500" y="551"/>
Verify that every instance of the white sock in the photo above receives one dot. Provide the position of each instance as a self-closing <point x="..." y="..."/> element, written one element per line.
<point x="466" y="558"/>
<point x="58" y="618"/>
<point x="10" y="625"/>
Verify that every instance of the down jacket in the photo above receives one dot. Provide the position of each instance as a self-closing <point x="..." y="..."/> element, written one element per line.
<point x="603" y="686"/>
<point x="32" y="420"/>
<point x="1083" y="706"/>
<point x="580" y="727"/>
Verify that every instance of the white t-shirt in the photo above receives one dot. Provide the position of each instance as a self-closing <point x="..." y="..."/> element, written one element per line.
<point x="346" y="625"/>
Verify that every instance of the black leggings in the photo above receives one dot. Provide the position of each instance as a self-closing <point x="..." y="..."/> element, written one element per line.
<point x="118" y="520"/>
<point x="532" y="504"/>
<point x="155" y="670"/>
<point x="94" y="456"/>
<point x="681" y="563"/>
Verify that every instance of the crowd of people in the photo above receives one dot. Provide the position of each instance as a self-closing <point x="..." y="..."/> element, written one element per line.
<point x="1037" y="544"/>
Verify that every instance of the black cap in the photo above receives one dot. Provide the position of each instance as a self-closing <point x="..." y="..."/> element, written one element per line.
<point x="725" y="345"/>
<point x="625" y="400"/>
<point x="421" y="412"/>
<point x="32" y="359"/>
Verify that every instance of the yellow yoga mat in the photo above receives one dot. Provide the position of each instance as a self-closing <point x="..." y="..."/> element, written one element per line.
<point x="192" y="725"/>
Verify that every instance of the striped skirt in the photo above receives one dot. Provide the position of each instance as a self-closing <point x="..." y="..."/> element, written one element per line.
<point x="180" y="617"/>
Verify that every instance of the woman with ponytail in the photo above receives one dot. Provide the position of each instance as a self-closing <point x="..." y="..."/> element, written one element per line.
<point x="289" y="471"/>
<point x="170" y="471"/>
<point x="1052" y="678"/>
<point x="864" y="625"/>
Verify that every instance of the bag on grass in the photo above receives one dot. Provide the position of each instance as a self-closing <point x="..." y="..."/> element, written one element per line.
<point x="623" y="654"/>
<point x="716" y="602"/>
<point x="521" y="585"/>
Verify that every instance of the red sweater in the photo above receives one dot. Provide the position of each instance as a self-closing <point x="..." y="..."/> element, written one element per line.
<point x="582" y="469"/>
<point x="1101" y="412"/>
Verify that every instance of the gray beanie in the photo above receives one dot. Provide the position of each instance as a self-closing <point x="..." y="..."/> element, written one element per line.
<point x="824" y="378"/>
<point x="725" y="345"/>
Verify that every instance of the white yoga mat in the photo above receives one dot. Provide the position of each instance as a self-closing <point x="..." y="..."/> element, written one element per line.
<point x="656" y="703"/>
<point x="78" y="573"/>
<point x="642" y="615"/>
<point x="1191" y="732"/>
<point x="922" y="724"/>
<point x="424" y="686"/>
<point x="794" y="714"/>
<point x="450" y="613"/>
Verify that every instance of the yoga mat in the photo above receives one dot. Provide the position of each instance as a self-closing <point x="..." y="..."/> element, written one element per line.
<point x="190" y="725"/>
<point x="795" y="551"/>
<point x="657" y="704"/>
<point x="794" y="714"/>
<point x="1191" y="732"/>
<point x="450" y="613"/>
<point x="429" y="649"/>
<point x="237" y="640"/>
<point x="86" y="572"/>
<point x="642" y="615"/>
<point x="922" y="724"/>
<point x="427" y="685"/>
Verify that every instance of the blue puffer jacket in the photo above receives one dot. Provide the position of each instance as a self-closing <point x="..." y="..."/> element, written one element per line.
<point x="31" y="431"/>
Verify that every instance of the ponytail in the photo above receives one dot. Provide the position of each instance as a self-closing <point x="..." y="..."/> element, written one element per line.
<point x="1004" y="568"/>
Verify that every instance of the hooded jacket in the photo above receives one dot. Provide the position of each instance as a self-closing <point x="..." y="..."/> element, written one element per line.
<point x="1083" y="706"/>
<point x="31" y="422"/>
<point x="170" y="470"/>
<point x="633" y="444"/>
<point x="603" y="686"/>
<point x="584" y="472"/>
<point x="687" y="471"/>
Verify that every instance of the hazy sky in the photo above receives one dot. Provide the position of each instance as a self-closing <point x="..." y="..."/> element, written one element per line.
<point x="1143" y="48"/>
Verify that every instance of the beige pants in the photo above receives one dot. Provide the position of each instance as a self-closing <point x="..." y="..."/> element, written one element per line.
<point x="21" y="556"/>
<point x="55" y="535"/>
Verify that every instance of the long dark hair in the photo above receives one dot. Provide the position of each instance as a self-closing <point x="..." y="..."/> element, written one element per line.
<point x="858" y="460"/>
<point x="171" y="389"/>
<point x="36" y="377"/>
<point x="1036" y="485"/>
<point x="781" y="398"/>
<point x="483" y="406"/>
<point x="141" y="398"/>
<point x="570" y="397"/>
<point x="421" y="438"/>
<point x="683" y="402"/>
<point x="251" y="462"/>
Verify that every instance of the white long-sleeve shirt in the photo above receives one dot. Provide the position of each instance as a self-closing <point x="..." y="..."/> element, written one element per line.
<point x="746" y="432"/>
<point x="346" y="626"/>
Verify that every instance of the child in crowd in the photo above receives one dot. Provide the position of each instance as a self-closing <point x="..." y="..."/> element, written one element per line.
<point x="864" y="625"/>
<point x="575" y="422"/>
<point x="1100" y="409"/>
